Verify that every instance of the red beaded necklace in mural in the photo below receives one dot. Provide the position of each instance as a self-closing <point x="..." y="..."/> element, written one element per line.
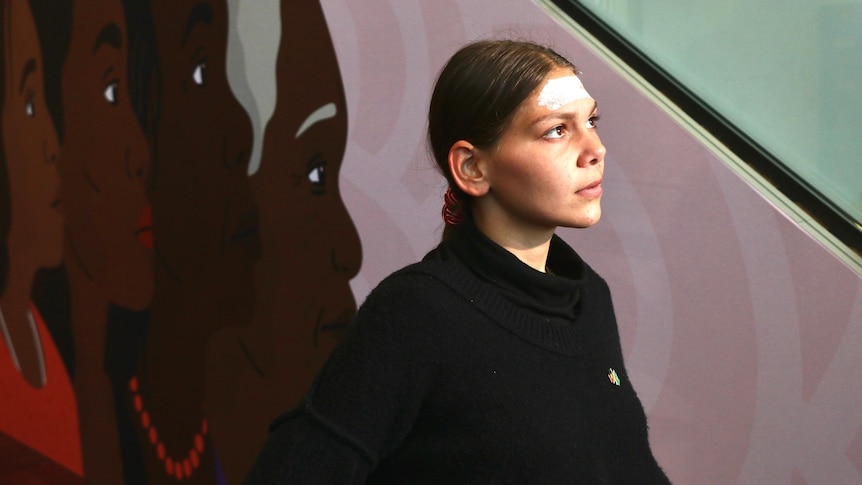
<point x="178" y="466"/>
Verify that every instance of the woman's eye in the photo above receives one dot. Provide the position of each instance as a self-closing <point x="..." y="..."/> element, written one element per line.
<point x="317" y="175"/>
<point x="30" y="108"/>
<point x="555" y="132"/>
<point x="198" y="74"/>
<point x="593" y="121"/>
<point x="110" y="93"/>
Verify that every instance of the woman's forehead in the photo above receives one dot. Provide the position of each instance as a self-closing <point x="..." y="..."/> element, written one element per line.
<point x="558" y="91"/>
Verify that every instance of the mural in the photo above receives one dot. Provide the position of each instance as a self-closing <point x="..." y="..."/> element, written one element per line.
<point x="136" y="190"/>
<point x="183" y="191"/>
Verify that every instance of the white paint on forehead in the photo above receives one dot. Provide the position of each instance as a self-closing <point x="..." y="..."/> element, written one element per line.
<point x="561" y="91"/>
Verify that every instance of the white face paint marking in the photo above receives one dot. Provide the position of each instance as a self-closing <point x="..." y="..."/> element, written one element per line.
<point x="562" y="91"/>
<point x="323" y="113"/>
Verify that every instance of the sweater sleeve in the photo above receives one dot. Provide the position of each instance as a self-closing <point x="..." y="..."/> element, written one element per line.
<point x="299" y="450"/>
<point x="366" y="398"/>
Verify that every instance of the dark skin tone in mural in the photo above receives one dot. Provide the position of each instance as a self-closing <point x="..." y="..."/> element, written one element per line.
<point x="35" y="237"/>
<point x="205" y="221"/>
<point x="178" y="235"/>
<point x="37" y="392"/>
<point x="104" y="164"/>
<point x="311" y="249"/>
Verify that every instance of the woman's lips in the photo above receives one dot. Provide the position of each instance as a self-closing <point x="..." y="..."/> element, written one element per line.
<point x="335" y="327"/>
<point x="592" y="190"/>
<point x="144" y="232"/>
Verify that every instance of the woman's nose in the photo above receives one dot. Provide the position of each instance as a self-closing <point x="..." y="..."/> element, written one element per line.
<point x="346" y="247"/>
<point x="594" y="151"/>
<point x="137" y="160"/>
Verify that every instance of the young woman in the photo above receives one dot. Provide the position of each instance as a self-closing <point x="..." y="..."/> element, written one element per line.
<point x="35" y="390"/>
<point x="205" y="220"/>
<point x="104" y="164"/>
<point x="497" y="358"/>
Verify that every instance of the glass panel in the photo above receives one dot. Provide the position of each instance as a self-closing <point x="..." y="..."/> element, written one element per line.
<point x="788" y="73"/>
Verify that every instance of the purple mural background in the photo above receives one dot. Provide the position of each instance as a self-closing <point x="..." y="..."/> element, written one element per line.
<point x="740" y="330"/>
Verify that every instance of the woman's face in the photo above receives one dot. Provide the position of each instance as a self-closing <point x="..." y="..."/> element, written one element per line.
<point x="546" y="169"/>
<point x="105" y="160"/>
<point x="203" y="212"/>
<point x="305" y="220"/>
<point x="30" y="142"/>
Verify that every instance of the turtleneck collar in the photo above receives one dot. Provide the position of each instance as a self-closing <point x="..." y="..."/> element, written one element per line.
<point x="555" y="294"/>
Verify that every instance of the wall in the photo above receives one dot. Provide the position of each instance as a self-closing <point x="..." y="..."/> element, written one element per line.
<point x="740" y="331"/>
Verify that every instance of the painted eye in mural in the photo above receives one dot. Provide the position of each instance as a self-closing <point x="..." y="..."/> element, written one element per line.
<point x="317" y="174"/>
<point x="198" y="75"/>
<point x="110" y="93"/>
<point x="30" y="107"/>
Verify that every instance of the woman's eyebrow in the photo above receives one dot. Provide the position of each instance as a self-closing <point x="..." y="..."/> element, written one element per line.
<point x="29" y="68"/>
<point x="202" y="13"/>
<point x="567" y="115"/>
<point x="324" y="112"/>
<point x="110" y="35"/>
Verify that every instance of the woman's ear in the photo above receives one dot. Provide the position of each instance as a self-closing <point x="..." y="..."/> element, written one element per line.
<point x="468" y="169"/>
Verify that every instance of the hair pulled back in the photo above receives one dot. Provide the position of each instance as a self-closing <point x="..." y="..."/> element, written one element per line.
<point x="479" y="91"/>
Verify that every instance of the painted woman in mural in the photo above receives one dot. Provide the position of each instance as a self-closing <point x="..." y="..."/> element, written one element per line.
<point x="311" y="248"/>
<point x="206" y="223"/>
<point x="104" y="166"/>
<point x="35" y="391"/>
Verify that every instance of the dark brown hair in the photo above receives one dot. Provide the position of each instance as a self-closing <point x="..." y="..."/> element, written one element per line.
<point x="478" y="92"/>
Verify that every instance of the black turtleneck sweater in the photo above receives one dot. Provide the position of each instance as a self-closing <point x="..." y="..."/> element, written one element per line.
<point x="471" y="367"/>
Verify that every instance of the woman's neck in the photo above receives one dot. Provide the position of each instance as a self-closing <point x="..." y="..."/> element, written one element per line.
<point x="529" y="244"/>
<point x="88" y="317"/>
<point x="93" y="390"/>
<point x="169" y="380"/>
<point x="182" y="320"/>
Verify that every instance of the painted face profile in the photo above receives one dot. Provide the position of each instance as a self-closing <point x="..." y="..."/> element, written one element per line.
<point x="303" y="215"/>
<point x="204" y="213"/>
<point x="105" y="160"/>
<point x="31" y="150"/>
<point x="310" y="248"/>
